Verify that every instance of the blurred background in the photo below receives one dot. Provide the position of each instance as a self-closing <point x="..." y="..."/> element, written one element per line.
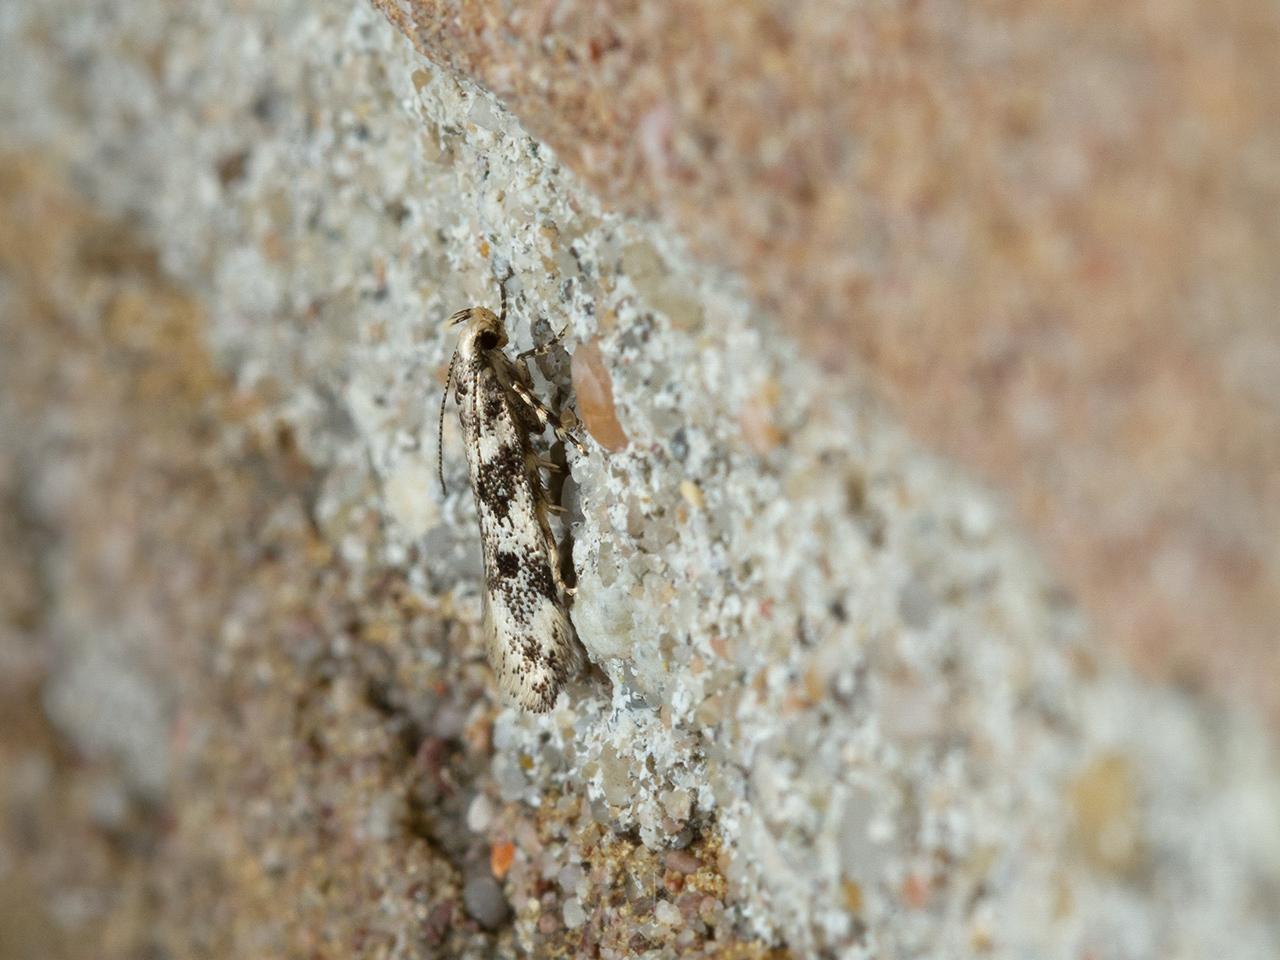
<point x="1049" y="232"/>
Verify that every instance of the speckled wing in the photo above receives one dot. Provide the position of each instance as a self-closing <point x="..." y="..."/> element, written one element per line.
<point x="531" y="643"/>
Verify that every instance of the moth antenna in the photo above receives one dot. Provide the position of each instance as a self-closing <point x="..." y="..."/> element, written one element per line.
<point x="502" y="293"/>
<point x="444" y="399"/>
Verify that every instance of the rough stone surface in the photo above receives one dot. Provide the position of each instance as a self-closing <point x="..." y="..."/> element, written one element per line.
<point x="1048" y="230"/>
<point x="838" y="707"/>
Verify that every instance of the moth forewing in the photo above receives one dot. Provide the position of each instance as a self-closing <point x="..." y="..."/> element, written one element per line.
<point x="531" y="644"/>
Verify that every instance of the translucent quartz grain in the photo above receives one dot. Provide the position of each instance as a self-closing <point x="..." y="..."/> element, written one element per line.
<point x="594" y="390"/>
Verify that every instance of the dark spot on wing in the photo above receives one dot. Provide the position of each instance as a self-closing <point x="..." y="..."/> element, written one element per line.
<point x="506" y="564"/>
<point x="499" y="478"/>
<point x="541" y="582"/>
<point x="492" y="407"/>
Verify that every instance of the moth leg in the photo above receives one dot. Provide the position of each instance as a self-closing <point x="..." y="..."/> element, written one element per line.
<point x="570" y="432"/>
<point x="545" y="415"/>
<point x="521" y="362"/>
<point x="543" y="348"/>
<point x="566" y="575"/>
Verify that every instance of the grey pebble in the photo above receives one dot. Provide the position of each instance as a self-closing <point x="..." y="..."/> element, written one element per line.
<point x="485" y="901"/>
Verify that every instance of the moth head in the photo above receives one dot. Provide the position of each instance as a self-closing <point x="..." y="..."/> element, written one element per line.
<point x="484" y="330"/>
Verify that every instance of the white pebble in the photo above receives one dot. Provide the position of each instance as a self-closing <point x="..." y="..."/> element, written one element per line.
<point x="667" y="913"/>
<point x="479" y="814"/>
<point x="574" y="915"/>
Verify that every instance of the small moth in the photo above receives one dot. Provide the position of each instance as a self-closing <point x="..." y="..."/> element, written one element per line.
<point x="531" y="644"/>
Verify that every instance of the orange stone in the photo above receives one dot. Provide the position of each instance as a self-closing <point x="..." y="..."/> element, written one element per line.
<point x="915" y="891"/>
<point x="1104" y="801"/>
<point x="594" y="390"/>
<point x="500" y="857"/>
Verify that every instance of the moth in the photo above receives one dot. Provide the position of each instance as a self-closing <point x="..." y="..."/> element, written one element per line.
<point x="531" y="644"/>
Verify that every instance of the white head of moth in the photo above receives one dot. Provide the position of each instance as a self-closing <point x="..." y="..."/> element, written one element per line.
<point x="531" y="644"/>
